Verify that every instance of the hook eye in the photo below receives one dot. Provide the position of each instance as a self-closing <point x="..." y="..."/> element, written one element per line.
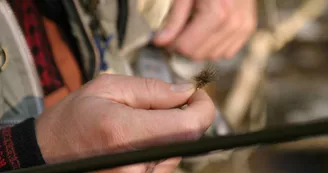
<point x="3" y="55"/>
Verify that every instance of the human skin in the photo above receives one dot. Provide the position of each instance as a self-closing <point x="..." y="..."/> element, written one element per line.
<point x="218" y="28"/>
<point x="116" y="113"/>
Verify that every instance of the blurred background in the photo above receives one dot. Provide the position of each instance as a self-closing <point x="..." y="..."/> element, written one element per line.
<point x="268" y="87"/>
<point x="280" y="77"/>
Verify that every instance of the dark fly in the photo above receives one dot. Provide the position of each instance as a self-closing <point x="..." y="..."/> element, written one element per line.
<point x="207" y="75"/>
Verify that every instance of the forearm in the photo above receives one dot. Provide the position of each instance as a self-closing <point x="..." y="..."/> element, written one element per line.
<point x="19" y="147"/>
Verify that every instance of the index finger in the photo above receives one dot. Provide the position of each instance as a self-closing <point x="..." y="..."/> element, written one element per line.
<point x="201" y="107"/>
<point x="166" y="126"/>
<point x="177" y="19"/>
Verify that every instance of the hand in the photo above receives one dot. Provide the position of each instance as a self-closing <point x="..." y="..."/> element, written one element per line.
<point x="118" y="113"/>
<point x="218" y="28"/>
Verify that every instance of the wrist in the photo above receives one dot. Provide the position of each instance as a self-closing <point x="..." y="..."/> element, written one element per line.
<point x="19" y="147"/>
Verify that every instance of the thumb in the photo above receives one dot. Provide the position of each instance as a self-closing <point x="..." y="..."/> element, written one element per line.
<point x="141" y="93"/>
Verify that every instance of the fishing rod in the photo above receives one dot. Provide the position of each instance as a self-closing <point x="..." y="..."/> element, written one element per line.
<point x="186" y="149"/>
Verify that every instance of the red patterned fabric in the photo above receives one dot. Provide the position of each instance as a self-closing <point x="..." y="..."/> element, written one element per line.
<point x="9" y="148"/>
<point x="32" y="25"/>
<point x="19" y="147"/>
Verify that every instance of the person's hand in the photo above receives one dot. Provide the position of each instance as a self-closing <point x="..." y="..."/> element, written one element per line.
<point x="118" y="113"/>
<point x="217" y="28"/>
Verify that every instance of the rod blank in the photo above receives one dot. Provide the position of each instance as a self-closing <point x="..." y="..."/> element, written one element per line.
<point x="186" y="149"/>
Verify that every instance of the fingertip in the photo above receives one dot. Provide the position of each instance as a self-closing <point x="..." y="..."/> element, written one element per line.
<point x="201" y="101"/>
<point x="201" y="109"/>
<point x="163" y="37"/>
<point x="176" y="21"/>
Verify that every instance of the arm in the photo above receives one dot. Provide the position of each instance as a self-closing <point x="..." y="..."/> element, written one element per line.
<point x="111" y="114"/>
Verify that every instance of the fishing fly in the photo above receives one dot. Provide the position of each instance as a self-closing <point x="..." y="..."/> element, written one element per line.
<point x="208" y="75"/>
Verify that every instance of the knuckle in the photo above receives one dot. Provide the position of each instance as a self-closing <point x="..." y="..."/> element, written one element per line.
<point x="89" y="85"/>
<point x="150" y="85"/>
<point x="219" y="18"/>
<point x="215" y="10"/>
<point x="98" y="81"/>
<point x="101" y="78"/>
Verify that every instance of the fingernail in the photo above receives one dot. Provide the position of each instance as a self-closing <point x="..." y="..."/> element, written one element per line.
<point x="182" y="87"/>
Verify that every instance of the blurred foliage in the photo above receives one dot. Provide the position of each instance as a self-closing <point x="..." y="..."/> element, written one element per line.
<point x="296" y="77"/>
<point x="295" y="89"/>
